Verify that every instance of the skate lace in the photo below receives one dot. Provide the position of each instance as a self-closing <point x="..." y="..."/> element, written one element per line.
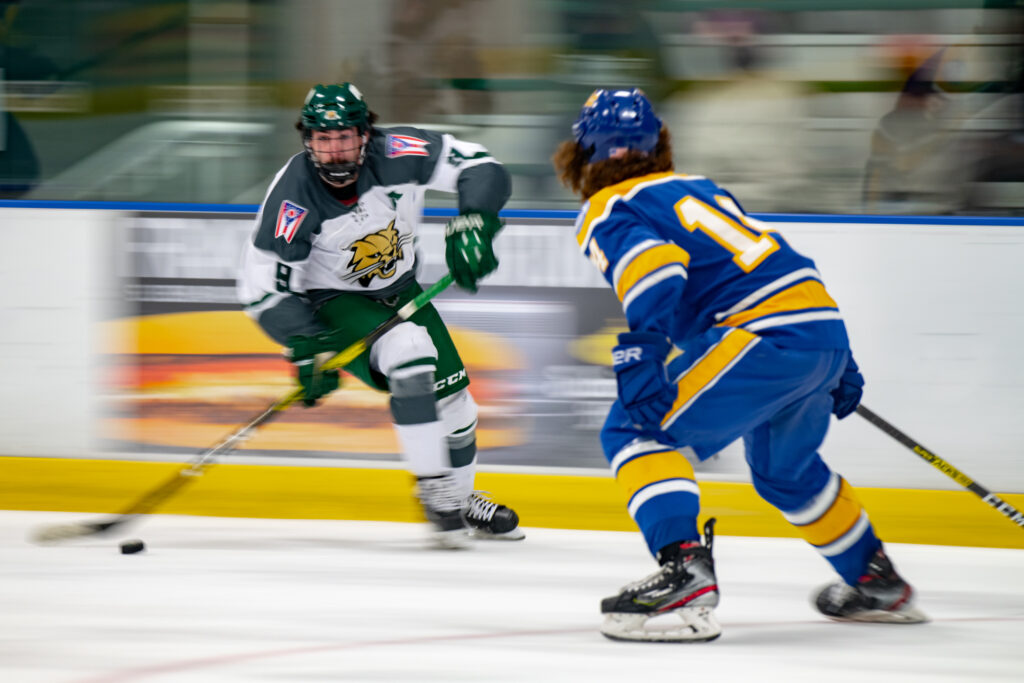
<point x="480" y="507"/>
<point x="649" y="582"/>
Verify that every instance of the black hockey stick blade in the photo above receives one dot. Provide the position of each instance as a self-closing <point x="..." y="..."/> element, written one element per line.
<point x="991" y="499"/>
<point x="63" y="532"/>
<point x="57" y="532"/>
<point x="151" y="500"/>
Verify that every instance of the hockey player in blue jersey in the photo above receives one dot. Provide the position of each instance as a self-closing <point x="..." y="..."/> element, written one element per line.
<point x="764" y="357"/>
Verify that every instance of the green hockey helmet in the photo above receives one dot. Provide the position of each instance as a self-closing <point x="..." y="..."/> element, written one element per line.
<point x="335" y="107"/>
<point x="329" y="107"/>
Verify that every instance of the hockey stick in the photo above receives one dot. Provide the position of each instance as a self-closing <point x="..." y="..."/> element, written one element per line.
<point x="941" y="465"/>
<point x="148" y="502"/>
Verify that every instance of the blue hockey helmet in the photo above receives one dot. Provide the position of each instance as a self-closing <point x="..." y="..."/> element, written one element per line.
<point x="615" y="120"/>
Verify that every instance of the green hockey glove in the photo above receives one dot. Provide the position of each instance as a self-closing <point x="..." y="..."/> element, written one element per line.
<point x="308" y="354"/>
<point x="468" y="248"/>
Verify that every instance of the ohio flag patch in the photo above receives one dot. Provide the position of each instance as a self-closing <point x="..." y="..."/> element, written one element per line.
<point x="405" y="146"/>
<point x="288" y="220"/>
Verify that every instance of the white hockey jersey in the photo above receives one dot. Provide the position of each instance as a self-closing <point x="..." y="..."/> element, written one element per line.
<point x="308" y="244"/>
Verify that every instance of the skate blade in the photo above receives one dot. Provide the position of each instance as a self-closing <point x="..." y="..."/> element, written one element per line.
<point x="456" y="539"/>
<point x="513" y="535"/>
<point x="906" y="615"/>
<point x="699" y="625"/>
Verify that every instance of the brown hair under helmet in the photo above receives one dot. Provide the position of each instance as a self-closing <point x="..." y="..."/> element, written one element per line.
<point x="585" y="180"/>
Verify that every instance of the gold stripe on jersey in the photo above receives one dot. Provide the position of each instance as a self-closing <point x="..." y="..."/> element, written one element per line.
<point x="841" y="516"/>
<point x="716" y="361"/>
<point x="600" y="205"/>
<point x="648" y="261"/>
<point x="807" y="294"/>
<point x="650" y="468"/>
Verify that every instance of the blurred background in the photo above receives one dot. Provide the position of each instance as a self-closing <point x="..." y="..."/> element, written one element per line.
<point x="124" y="338"/>
<point x="833" y="106"/>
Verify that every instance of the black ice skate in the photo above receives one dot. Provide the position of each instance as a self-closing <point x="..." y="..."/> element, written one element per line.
<point x="443" y="508"/>
<point x="880" y="595"/>
<point x="684" y="587"/>
<point x="489" y="520"/>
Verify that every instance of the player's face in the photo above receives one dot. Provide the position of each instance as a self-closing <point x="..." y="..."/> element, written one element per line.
<point x="336" y="146"/>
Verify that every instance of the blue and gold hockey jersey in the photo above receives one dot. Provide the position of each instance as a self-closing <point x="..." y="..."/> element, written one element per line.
<point x="682" y="256"/>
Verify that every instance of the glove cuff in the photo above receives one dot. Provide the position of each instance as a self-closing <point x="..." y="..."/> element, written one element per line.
<point x="659" y="342"/>
<point x="492" y="223"/>
<point x="311" y="345"/>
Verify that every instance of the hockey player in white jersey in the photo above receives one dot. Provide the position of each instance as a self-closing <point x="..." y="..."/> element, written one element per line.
<point x="332" y="257"/>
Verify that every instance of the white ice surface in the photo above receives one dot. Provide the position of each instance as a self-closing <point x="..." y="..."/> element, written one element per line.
<point x="215" y="599"/>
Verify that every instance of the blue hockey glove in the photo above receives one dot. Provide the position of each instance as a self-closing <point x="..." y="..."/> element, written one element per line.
<point x="644" y="389"/>
<point x="468" y="248"/>
<point x="846" y="397"/>
<point x="308" y="354"/>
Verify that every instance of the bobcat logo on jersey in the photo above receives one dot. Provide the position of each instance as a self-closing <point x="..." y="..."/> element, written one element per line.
<point x="377" y="255"/>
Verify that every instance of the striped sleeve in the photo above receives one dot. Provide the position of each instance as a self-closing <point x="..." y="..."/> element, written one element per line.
<point x="643" y="269"/>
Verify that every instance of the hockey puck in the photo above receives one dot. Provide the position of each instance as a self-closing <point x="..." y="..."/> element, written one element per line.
<point x="132" y="547"/>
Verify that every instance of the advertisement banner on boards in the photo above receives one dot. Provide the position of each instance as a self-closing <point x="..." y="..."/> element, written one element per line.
<point x="535" y="340"/>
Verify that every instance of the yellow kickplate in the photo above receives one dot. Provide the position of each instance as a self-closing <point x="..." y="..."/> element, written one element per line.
<point x="542" y="500"/>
